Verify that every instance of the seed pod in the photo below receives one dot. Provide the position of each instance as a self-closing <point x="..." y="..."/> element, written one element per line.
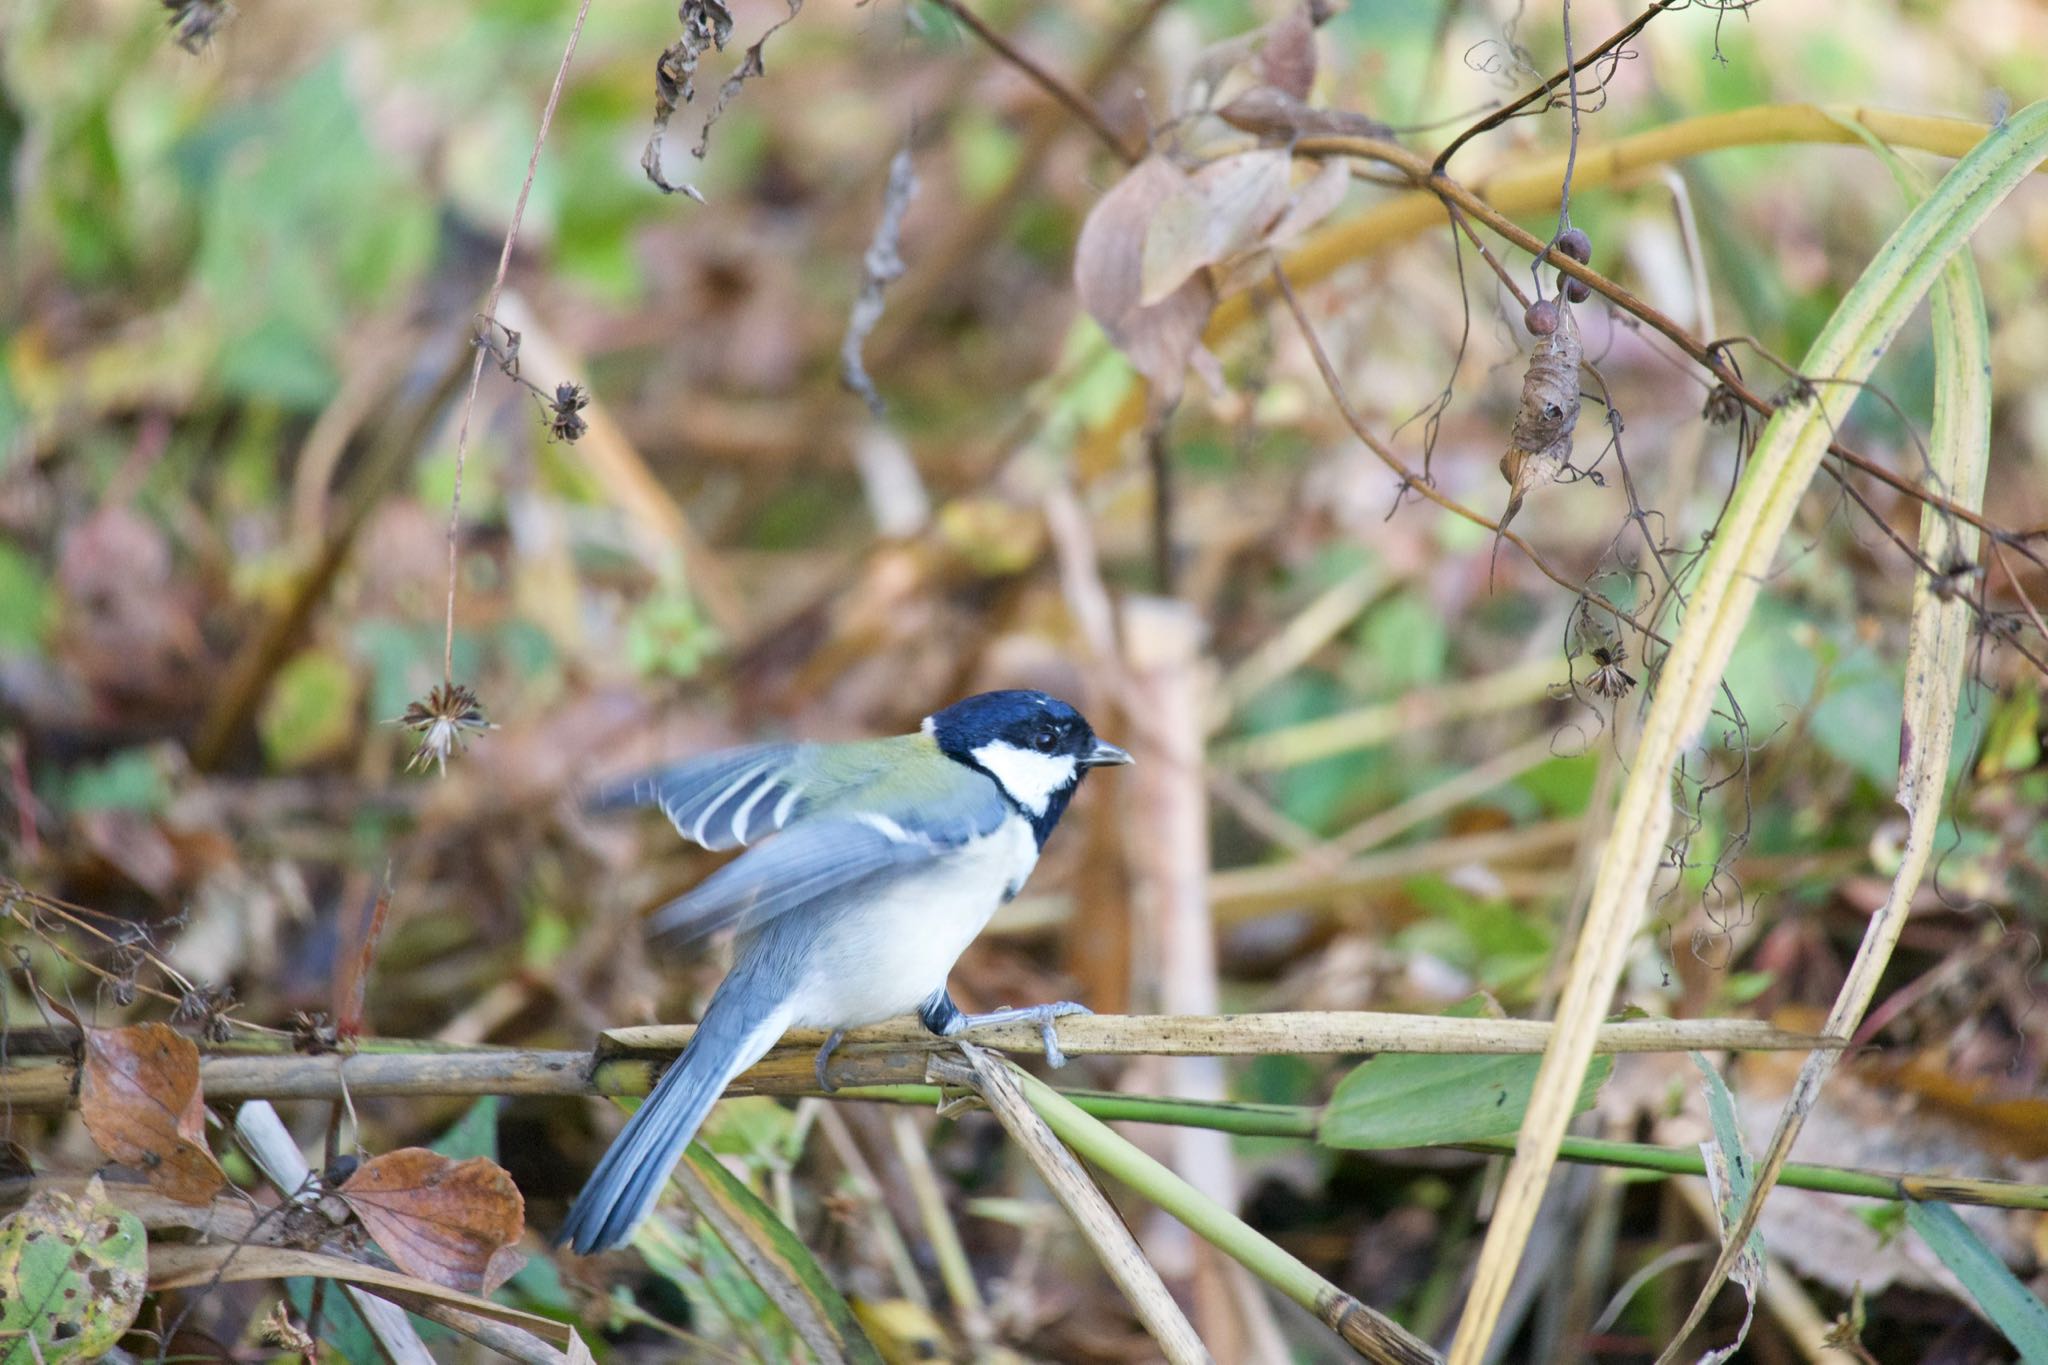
<point x="1540" y="443"/>
<point x="1541" y="318"/>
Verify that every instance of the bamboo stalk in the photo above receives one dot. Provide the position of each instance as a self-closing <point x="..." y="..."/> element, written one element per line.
<point x="1244" y="892"/>
<point x="1524" y="684"/>
<point x="892" y="1053"/>
<point x="1366" y="1330"/>
<point x="998" y="1084"/>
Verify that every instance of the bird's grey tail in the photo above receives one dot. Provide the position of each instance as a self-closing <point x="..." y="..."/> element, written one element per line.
<point x="737" y="1030"/>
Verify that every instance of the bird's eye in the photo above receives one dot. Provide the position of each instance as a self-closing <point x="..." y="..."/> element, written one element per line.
<point x="1045" y="741"/>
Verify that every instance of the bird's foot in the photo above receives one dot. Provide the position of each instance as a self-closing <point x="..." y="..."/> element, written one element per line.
<point x="1041" y="1015"/>
<point x="824" y="1056"/>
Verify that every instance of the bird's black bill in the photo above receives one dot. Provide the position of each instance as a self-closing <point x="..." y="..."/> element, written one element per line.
<point x="1105" y="755"/>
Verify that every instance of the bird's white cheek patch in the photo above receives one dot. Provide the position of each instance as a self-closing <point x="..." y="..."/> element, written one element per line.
<point x="1029" y="777"/>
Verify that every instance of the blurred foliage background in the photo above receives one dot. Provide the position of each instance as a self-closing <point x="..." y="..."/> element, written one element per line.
<point x="239" y="287"/>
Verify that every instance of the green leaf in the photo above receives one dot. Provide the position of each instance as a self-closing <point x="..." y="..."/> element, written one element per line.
<point x="72" y="1275"/>
<point x="25" y="606"/>
<point x="310" y="712"/>
<point x="667" y="636"/>
<point x="2012" y="1308"/>
<point x="128" y="780"/>
<point x="1429" y="1099"/>
<point x="776" y="1258"/>
<point x="474" y="1134"/>
<point x="1731" y="1171"/>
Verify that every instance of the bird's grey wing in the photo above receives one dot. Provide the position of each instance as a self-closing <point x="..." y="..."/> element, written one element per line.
<point x="829" y="855"/>
<point x="722" y="800"/>
<point x="809" y="863"/>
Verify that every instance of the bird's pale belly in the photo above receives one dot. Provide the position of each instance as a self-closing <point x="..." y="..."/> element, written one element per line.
<point x="886" y="956"/>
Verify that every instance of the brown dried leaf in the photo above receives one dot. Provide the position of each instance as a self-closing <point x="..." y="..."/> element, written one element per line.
<point x="1222" y="209"/>
<point x="1160" y="339"/>
<point x="1281" y="54"/>
<point x="1286" y="59"/>
<point x="1312" y="203"/>
<point x="750" y="66"/>
<point x="1540" y="444"/>
<point x="139" y="1096"/>
<point x="451" y="1222"/>
<point x="1275" y="114"/>
<point x="706" y="24"/>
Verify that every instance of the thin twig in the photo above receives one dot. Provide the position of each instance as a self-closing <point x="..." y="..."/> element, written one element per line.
<point x="476" y="371"/>
<point x="1412" y="481"/>
<point x="1077" y="103"/>
<point x="1570" y="72"/>
<point x="1708" y="356"/>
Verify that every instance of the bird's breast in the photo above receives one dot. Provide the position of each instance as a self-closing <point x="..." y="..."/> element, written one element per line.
<point x="886" y="954"/>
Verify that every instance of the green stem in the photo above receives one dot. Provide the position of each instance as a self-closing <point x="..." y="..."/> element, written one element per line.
<point x="1366" y="1330"/>
<point x="1300" y="1121"/>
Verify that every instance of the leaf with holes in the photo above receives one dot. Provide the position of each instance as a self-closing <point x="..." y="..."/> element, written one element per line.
<point x="452" y="1222"/>
<point x="72" y="1275"/>
<point x="139" y="1096"/>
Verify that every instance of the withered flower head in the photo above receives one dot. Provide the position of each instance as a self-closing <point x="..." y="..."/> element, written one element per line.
<point x="444" y="722"/>
<point x="1722" y="406"/>
<point x="194" y="22"/>
<point x="1609" y="678"/>
<point x="565" y="414"/>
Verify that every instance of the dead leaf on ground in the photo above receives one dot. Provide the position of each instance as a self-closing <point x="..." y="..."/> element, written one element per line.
<point x="139" y="1096"/>
<point x="280" y="1333"/>
<point x="451" y="1222"/>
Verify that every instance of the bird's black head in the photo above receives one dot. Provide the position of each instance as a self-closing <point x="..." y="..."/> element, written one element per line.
<point x="1035" y="746"/>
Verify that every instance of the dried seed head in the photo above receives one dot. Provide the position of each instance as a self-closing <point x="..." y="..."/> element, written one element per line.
<point x="565" y="413"/>
<point x="1722" y="406"/>
<point x="1609" y="678"/>
<point x="313" y="1033"/>
<point x="1957" y="579"/>
<point x="194" y="22"/>
<point x="444" y="722"/>
<point x="1541" y="318"/>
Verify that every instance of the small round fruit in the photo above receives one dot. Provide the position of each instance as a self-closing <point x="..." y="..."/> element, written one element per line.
<point x="1573" y="242"/>
<point x="1541" y="319"/>
<point x="1578" y="291"/>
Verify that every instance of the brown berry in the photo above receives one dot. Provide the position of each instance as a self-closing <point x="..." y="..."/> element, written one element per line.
<point x="1574" y="243"/>
<point x="1541" y="319"/>
<point x="1578" y="291"/>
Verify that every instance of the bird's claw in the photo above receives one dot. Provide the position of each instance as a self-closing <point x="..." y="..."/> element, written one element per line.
<point x="825" y="1056"/>
<point x="1041" y="1015"/>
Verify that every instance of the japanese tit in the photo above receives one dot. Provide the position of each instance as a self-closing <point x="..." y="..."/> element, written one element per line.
<point x="888" y="858"/>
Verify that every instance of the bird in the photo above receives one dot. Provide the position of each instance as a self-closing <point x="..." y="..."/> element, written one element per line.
<point x="869" y="868"/>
